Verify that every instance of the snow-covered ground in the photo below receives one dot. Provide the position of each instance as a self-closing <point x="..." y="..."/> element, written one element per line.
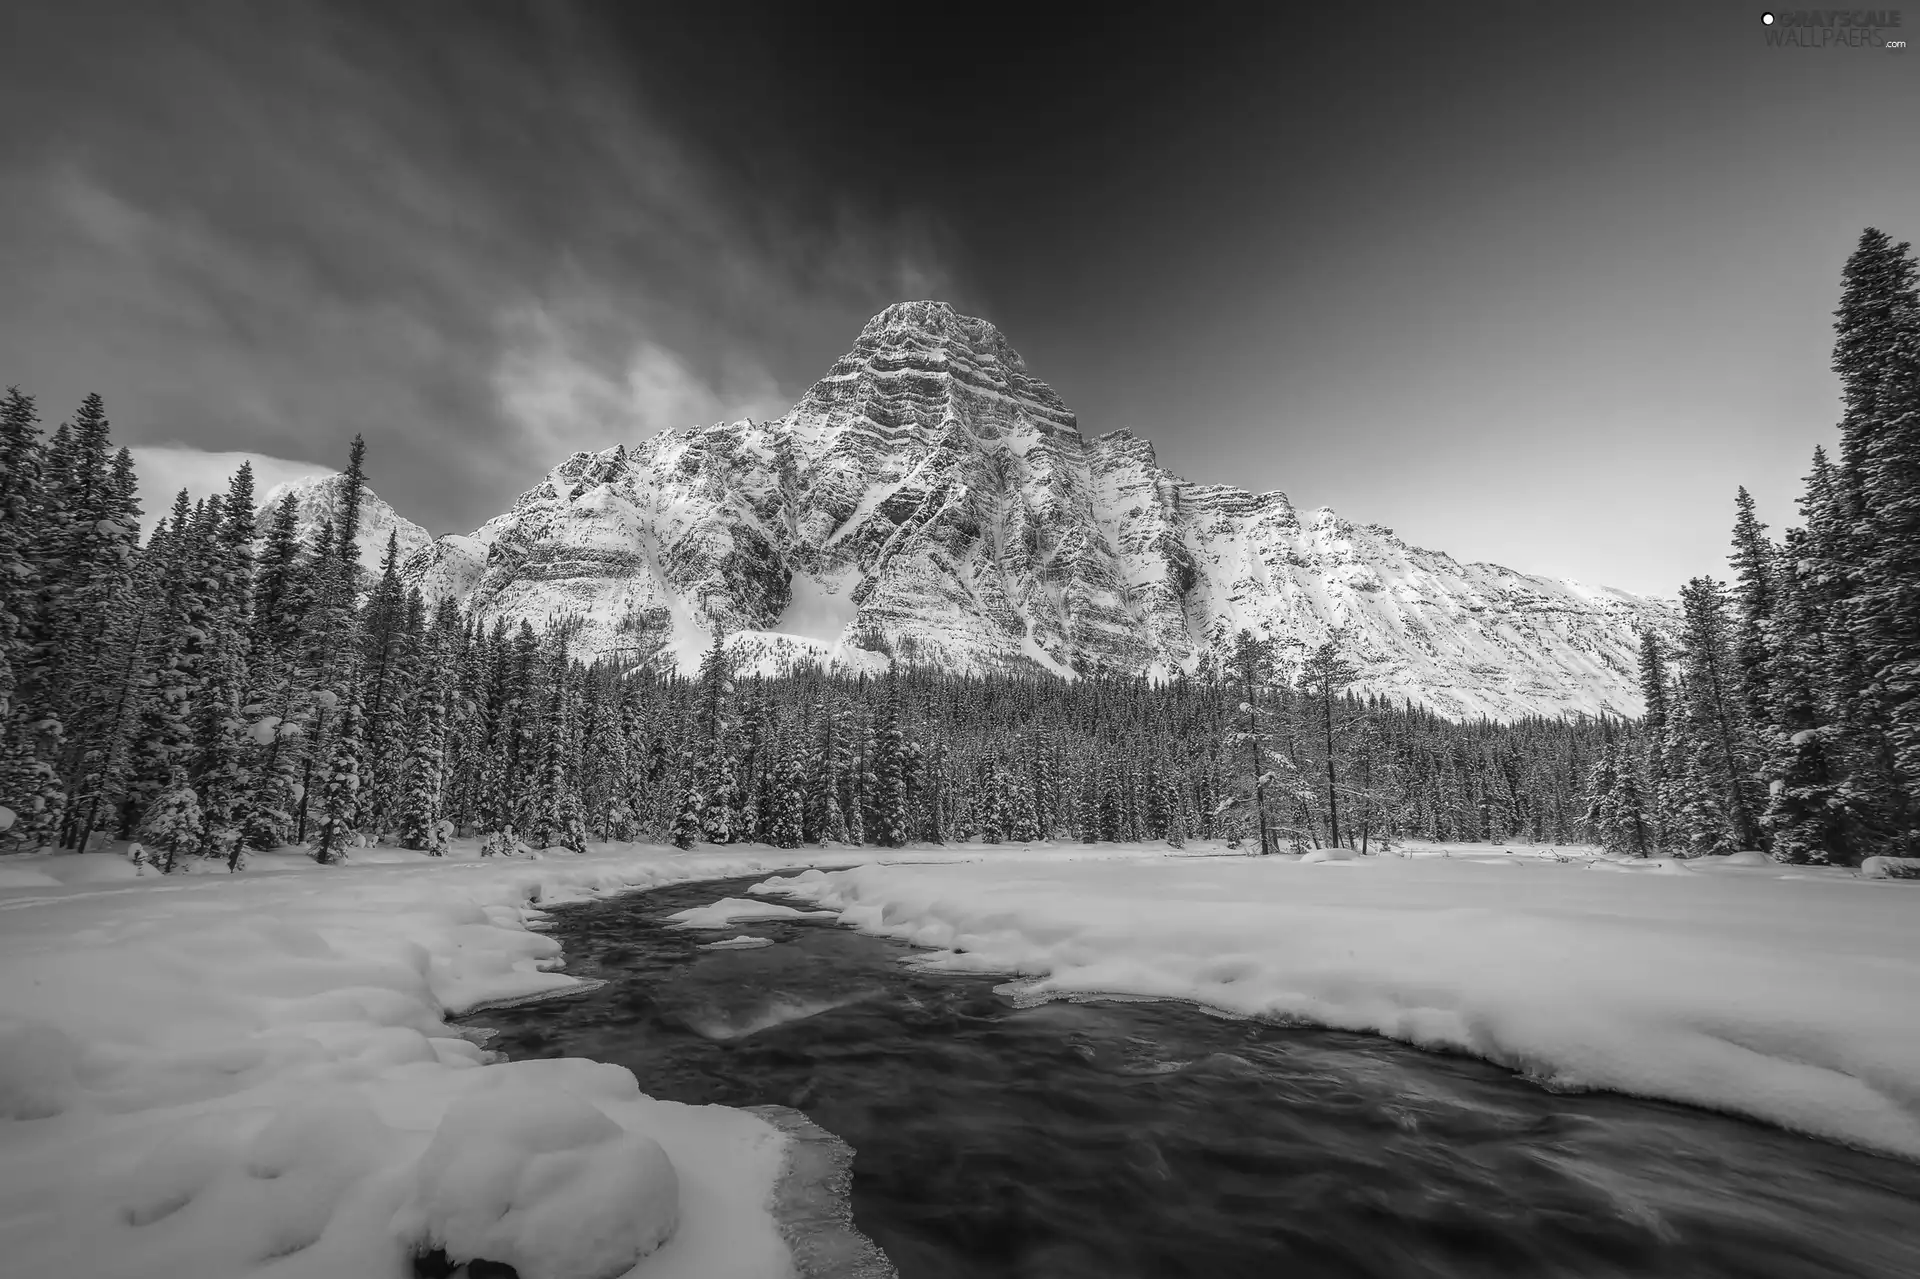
<point x="234" y="1075"/>
<point x="217" y="1075"/>
<point x="1790" y="995"/>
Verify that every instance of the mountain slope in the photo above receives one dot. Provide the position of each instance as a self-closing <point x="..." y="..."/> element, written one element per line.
<point x="931" y="499"/>
<point x="315" y="499"/>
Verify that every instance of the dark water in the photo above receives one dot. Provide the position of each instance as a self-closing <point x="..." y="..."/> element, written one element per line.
<point x="1135" y="1139"/>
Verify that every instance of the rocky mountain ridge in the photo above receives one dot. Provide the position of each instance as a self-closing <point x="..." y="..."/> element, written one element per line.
<point x="930" y="500"/>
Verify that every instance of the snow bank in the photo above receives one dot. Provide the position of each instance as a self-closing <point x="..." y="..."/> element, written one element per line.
<point x="1791" y="997"/>
<point x="543" y="1181"/>
<point x="236" y="1075"/>
<point x="1891" y="868"/>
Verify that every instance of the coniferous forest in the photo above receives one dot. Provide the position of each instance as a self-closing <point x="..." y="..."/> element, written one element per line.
<point x="229" y="684"/>
<point x="1785" y="715"/>
<point x="222" y="687"/>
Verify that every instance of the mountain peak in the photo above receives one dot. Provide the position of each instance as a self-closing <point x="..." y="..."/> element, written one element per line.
<point x="932" y="500"/>
<point x="316" y="499"/>
<point x="918" y="366"/>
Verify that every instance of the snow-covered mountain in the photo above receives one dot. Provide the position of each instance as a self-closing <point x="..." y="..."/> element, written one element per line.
<point x="932" y="499"/>
<point x="315" y="498"/>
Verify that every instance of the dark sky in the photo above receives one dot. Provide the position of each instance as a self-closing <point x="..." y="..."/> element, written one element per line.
<point x="1533" y="283"/>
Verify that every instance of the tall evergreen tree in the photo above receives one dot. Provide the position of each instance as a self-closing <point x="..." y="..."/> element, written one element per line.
<point x="1325" y="678"/>
<point x="1655" y="729"/>
<point x="1720" y="755"/>
<point x="1249" y="669"/>
<point x="339" y="803"/>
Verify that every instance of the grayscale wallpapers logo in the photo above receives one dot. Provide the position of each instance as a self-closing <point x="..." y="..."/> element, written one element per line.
<point x="1834" y="29"/>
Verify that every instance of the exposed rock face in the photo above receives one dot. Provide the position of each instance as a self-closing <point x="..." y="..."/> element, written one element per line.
<point x="316" y="498"/>
<point x="931" y="498"/>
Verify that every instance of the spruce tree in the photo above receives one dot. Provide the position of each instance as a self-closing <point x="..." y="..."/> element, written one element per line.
<point x="1721" y="754"/>
<point x="785" y="825"/>
<point x="717" y="780"/>
<point x="887" y="801"/>
<point x="1654" y="732"/>
<point x="1249" y="669"/>
<point x="1753" y="602"/>
<point x="173" y="823"/>
<point x="25" y="735"/>
<point x="340" y="800"/>
<point x="1324" y="678"/>
<point x="423" y="800"/>
<point x="1809" y="810"/>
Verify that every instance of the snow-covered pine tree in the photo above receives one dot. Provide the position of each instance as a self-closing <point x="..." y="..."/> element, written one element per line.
<point x="86" y="556"/>
<point x="1810" y="811"/>
<point x="349" y="493"/>
<point x="166" y="733"/>
<point x="121" y="684"/>
<point x="786" y="828"/>
<point x="887" y="768"/>
<point x="1021" y="827"/>
<point x="422" y="806"/>
<point x="1721" y="746"/>
<point x="172" y="822"/>
<point x="221" y="742"/>
<point x="685" y="830"/>
<point x="1324" y="678"/>
<point x="603" y="787"/>
<point x="389" y="630"/>
<point x="1752" y="561"/>
<point x="1249" y="669"/>
<point x="1880" y="440"/>
<point x="340" y="796"/>
<point x="717" y="778"/>
<point x="1653" y="734"/>
<point x="282" y="588"/>
<point x="937" y="786"/>
<point x="1112" y="810"/>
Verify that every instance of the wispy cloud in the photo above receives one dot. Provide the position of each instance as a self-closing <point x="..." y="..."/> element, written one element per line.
<point x="460" y="231"/>
<point x="566" y="390"/>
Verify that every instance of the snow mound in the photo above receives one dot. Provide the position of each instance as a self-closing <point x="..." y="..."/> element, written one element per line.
<point x="542" y="1181"/>
<point x="1890" y="868"/>
<point x="733" y="910"/>
<point x="1320" y="855"/>
<point x="37" y="1065"/>
<point x="1746" y="857"/>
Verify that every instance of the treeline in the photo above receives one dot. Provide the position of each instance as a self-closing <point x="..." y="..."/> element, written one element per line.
<point x="1788" y="718"/>
<point x="225" y="687"/>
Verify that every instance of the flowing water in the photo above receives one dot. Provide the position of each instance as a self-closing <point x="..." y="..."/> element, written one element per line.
<point x="1123" y="1139"/>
